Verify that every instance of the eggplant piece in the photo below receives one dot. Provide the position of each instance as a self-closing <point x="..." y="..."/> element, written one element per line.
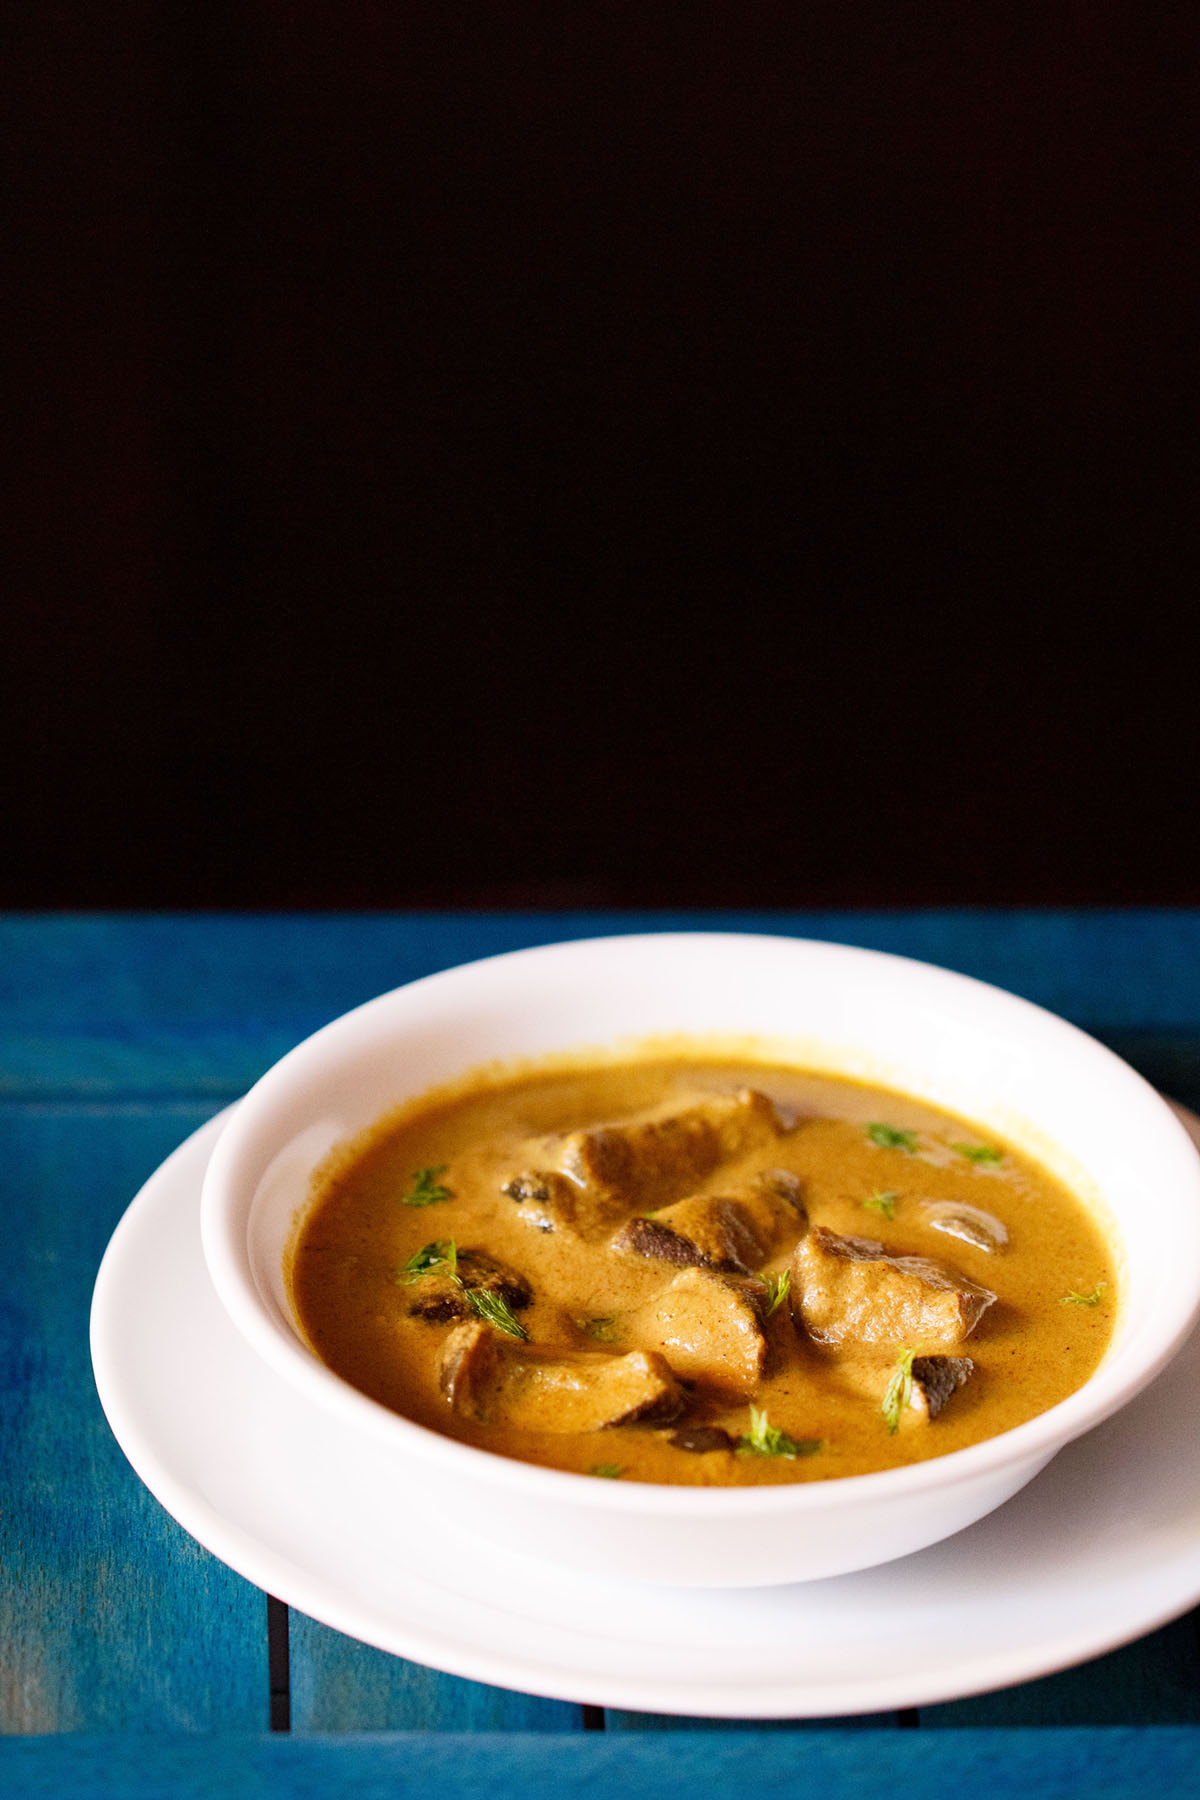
<point x="700" y="1439"/>
<point x="733" y="1233"/>
<point x="935" y="1379"/>
<point x="439" y="1297"/>
<point x="786" y="1187"/>
<point x="852" y="1290"/>
<point x="549" y="1202"/>
<point x="499" y="1381"/>
<point x="604" y="1172"/>
<point x="971" y="1224"/>
<point x="710" y="1329"/>
<point x="865" y="1373"/>
<point x="708" y="1234"/>
<point x="657" y="1156"/>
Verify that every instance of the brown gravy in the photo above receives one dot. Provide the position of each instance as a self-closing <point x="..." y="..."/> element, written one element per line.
<point x="823" y="1399"/>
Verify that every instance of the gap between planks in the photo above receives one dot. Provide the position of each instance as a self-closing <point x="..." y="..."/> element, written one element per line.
<point x="280" y="1679"/>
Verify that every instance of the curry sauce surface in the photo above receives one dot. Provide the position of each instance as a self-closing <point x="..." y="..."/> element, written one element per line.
<point x="1039" y="1341"/>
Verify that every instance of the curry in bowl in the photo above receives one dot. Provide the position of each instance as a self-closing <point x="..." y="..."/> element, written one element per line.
<point x="700" y="1273"/>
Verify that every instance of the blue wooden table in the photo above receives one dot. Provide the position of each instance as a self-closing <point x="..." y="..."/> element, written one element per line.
<point x="133" y="1663"/>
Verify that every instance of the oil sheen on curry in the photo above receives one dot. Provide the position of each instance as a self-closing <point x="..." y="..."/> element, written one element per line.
<point x="701" y="1273"/>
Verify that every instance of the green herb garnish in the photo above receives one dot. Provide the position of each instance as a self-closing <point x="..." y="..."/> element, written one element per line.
<point x="891" y="1137"/>
<point x="1092" y="1299"/>
<point x="607" y="1471"/>
<point x="768" y="1440"/>
<point x="777" y="1289"/>
<point x="426" y="1187"/>
<point x="898" y="1392"/>
<point x="440" y="1258"/>
<point x="495" y="1310"/>
<point x="979" y="1153"/>
<point x="883" y="1200"/>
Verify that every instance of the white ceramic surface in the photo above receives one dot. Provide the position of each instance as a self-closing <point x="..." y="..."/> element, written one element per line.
<point x="1008" y="1066"/>
<point x="1103" y="1546"/>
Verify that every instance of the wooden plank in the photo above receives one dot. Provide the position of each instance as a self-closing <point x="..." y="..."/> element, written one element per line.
<point x="1153" y="1682"/>
<point x="173" y="1005"/>
<point x="340" y="1685"/>
<point x="1105" y="1763"/>
<point x="111" y="1617"/>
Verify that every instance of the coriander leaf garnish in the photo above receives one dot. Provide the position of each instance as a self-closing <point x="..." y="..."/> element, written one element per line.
<point x="495" y="1310"/>
<point x="892" y="1137"/>
<point x="439" y="1258"/>
<point x="426" y="1188"/>
<point x="898" y="1392"/>
<point x="979" y="1153"/>
<point x="1092" y="1299"/>
<point x="883" y="1200"/>
<point x="607" y="1471"/>
<point x="600" y="1329"/>
<point x="768" y="1440"/>
<point x="777" y="1289"/>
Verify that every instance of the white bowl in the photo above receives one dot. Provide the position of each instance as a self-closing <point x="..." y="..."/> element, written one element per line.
<point x="1005" y="1065"/>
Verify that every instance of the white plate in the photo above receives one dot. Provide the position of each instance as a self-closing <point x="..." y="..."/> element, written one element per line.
<point x="1103" y="1546"/>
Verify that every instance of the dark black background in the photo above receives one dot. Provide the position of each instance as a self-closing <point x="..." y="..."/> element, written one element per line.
<point x="586" y="454"/>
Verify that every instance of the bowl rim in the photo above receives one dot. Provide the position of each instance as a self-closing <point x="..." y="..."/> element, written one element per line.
<point x="1033" y="1442"/>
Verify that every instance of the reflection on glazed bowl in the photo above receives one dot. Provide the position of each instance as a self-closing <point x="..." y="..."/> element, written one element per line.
<point x="944" y="1039"/>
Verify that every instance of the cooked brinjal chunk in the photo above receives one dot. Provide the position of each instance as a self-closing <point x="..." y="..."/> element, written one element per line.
<point x="709" y="1328"/>
<point x="789" y="1188"/>
<point x="491" y="1378"/>
<point x="969" y="1223"/>
<point x="851" y="1290"/>
<point x="717" y="1239"/>
<point x="548" y="1201"/>
<point x="700" y="1439"/>
<point x="440" y="1297"/>
<point x="733" y="1232"/>
<point x="655" y="1156"/>
<point x="935" y="1379"/>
